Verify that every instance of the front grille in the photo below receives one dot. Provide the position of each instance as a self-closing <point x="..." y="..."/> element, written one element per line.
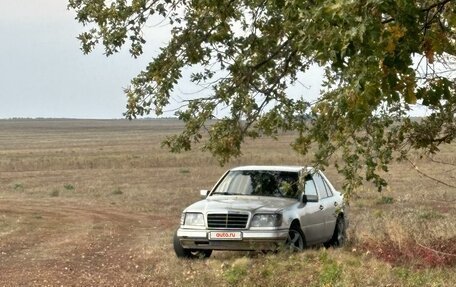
<point x="230" y="220"/>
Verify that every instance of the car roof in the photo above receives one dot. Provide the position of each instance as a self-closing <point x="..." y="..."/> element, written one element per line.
<point x="289" y="168"/>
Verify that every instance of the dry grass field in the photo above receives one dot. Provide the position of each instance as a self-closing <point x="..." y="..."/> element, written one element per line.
<point x="95" y="203"/>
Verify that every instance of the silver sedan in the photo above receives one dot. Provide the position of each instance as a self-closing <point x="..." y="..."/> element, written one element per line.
<point x="263" y="208"/>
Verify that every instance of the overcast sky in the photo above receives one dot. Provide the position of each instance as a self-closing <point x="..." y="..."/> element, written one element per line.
<point x="43" y="72"/>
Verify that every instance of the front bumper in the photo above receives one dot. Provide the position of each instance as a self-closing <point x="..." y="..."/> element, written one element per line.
<point x="251" y="239"/>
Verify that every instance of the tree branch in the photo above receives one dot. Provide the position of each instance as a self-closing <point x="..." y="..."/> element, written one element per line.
<point x="427" y="9"/>
<point x="273" y="55"/>
<point x="436" y="251"/>
<point x="441" y="162"/>
<point x="441" y="3"/>
<point x="428" y="176"/>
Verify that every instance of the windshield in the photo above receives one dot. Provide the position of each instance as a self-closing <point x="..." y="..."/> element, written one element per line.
<point x="260" y="183"/>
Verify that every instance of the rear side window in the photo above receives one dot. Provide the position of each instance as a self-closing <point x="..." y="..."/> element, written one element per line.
<point x="321" y="186"/>
<point x="328" y="189"/>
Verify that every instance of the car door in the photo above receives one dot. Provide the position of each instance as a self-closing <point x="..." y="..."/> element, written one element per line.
<point x="312" y="218"/>
<point x="328" y="205"/>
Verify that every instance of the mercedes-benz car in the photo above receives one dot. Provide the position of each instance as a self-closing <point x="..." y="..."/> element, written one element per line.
<point x="263" y="208"/>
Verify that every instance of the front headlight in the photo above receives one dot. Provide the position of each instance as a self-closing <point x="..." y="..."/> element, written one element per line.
<point x="266" y="220"/>
<point x="192" y="219"/>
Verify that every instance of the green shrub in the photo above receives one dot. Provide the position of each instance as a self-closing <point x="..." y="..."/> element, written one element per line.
<point x="55" y="193"/>
<point x="117" y="191"/>
<point x="18" y="186"/>
<point x="68" y="186"/>
<point x="237" y="271"/>
<point x="331" y="271"/>
<point x="429" y="215"/>
<point x="385" y="200"/>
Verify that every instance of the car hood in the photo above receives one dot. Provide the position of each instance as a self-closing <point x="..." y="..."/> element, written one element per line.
<point x="254" y="204"/>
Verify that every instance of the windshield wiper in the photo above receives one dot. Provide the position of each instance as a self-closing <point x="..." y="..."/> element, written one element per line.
<point x="228" y="193"/>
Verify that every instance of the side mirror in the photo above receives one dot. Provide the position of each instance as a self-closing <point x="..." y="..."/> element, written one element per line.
<point x="309" y="198"/>
<point x="204" y="193"/>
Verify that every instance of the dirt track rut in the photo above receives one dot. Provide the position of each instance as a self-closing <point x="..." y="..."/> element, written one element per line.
<point x="57" y="242"/>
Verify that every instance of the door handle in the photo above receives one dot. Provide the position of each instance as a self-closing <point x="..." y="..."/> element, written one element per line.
<point x="321" y="207"/>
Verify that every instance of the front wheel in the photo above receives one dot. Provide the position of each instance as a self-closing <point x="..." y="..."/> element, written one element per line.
<point x="189" y="253"/>
<point x="295" y="240"/>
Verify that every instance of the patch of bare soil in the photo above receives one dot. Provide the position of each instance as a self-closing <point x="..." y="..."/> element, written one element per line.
<point x="66" y="243"/>
<point x="439" y="253"/>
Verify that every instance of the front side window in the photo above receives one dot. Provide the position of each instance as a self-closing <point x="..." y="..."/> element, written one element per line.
<point x="259" y="183"/>
<point x="310" y="188"/>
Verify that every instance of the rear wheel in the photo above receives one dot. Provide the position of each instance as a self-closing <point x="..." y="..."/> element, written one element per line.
<point x="339" y="236"/>
<point x="189" y="253"/>
<point x="295" y="240"/>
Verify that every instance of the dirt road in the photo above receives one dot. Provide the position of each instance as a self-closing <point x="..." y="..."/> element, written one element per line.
<point x="57" y="242"/>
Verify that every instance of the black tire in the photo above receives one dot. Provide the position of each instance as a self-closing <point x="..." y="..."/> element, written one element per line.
<point x="295" y="241"/>
<point x="339" y="236"/>
<point x="189" y="253"/>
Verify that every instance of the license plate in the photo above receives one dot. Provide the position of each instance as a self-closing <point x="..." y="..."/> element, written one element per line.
<point x="225" y="235"/>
